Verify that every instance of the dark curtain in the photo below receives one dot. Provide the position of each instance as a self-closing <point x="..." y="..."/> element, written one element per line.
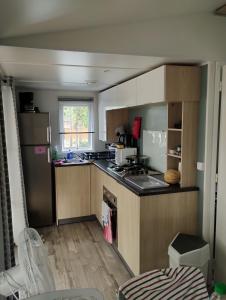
<point x="6" y="230"/>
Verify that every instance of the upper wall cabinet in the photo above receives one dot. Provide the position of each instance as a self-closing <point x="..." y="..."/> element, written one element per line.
<point x="106" y="102"/>
<point x="169" y="83"/>
<point x="126" y="93"/>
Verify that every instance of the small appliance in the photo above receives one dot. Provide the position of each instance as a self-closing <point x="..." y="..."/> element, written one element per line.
<point x="122" y="154"/>
<point x="98" y="155"/>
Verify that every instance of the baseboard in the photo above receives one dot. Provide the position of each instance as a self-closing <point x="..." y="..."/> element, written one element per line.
<point x="76" y="220"/>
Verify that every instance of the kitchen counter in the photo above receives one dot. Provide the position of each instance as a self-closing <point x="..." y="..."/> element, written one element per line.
<point x="144" y="217"/>
<point x="59" y="163"/>
<point x="104" y="164"/>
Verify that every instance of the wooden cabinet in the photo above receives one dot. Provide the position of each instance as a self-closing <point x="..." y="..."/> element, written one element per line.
<point x="129" y="228"/>
<point x="146" y="225"/>
<point x="97" y="183"/>
<point x="161" y="218"/>
<point x="72" y="192"/>
<point x="115" y="118"/>
<point x="169" y="83"/>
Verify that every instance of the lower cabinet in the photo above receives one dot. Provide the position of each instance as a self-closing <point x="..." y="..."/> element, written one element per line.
<point x="72" y="192"/>
<point x="97" y="182"/>
<point x="161" y="218"/>
<point x="146" y="225"/>
<point x="128" y="210"/>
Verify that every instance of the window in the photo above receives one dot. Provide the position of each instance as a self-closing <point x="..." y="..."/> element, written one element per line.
<point x="76" y="125"/>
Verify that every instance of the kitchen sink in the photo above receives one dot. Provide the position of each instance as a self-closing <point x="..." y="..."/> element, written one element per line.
<point x="76" y="161"/>
<point x="145" y="182"/>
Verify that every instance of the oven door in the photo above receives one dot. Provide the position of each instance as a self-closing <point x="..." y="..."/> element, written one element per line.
<point x="109" y="217"/>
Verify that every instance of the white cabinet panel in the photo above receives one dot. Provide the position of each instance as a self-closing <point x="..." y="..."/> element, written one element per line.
<point x="126" y="93"/>
<point x="106" y="100"/>
<point x="151" y="87"/>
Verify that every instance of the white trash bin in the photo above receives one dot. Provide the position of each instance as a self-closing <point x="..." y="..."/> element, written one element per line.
<point x="189" y="250"/>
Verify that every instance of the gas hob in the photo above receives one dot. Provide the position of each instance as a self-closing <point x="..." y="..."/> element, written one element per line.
<point x="128" y="170"/>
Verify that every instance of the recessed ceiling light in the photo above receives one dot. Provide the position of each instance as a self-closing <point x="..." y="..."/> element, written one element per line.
<point x="90" y="81"/>
<point x="221" y="11"/>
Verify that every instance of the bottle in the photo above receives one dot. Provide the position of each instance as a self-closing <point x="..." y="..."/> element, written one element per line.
<point x="55" y="153"/>
<point x="70" y="154"/>
<point x="219" y="291"/>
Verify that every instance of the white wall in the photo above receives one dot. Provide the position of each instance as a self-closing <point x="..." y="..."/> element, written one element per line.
<point x="47" y="101"/>
<point x="199" y="36"/>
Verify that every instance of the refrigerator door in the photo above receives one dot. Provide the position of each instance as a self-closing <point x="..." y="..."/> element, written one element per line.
<point x="34" y="128"/>
<point x="38" y="184"/>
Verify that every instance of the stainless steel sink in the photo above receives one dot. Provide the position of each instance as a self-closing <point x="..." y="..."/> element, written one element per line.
<point x="145" y="182"/>
<point x="76" y="161"/>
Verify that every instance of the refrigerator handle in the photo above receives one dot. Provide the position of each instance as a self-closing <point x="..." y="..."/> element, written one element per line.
<point x="47" y="134"/>
<point x="50" y="138"/>
<point x="48" y="155"/>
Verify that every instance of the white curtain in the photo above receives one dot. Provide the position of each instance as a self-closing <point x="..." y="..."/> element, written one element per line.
<point x="15" y="172"/>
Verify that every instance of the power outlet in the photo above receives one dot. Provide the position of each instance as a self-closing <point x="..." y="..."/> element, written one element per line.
<point x="200" y="166"/>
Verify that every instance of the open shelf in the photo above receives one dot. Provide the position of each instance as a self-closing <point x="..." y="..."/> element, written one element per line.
<point x="184" y="115"/>
<point x="174" y="114"/>
<point x="174" y="155"/>
<point x="175" y="129"/>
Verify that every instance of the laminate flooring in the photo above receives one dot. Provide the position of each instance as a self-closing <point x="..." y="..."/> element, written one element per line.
<point x="80" y="258"/>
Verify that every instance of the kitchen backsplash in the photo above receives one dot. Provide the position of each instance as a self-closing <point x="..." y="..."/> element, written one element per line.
<point x="154" y="118"/>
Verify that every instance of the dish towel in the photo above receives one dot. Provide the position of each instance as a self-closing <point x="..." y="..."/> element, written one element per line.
<point x="106" y="219"/>
<point x="166" y="284"/>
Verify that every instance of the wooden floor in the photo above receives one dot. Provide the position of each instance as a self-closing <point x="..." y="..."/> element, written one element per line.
<point x="80" y="258"/>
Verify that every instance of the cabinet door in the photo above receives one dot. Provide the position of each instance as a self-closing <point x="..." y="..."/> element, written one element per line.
<point x="72" y="191"/>
<point x="106" y="101"/>
<point x="97" y="183"/>
<point x="102" y="116"/>
<point x="126" y="93"/>
<point x="93" y="190"/>
<point x="151" y="87"/>
<point x="128" y="208"/>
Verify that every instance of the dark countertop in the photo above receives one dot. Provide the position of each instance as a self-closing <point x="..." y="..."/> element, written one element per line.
<point x="57" y="164"/>
<point x="104" y="164"/>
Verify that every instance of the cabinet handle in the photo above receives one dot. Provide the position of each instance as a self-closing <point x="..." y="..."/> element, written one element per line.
<point x="47" y="134"/>
<point x="48" y="156"/>
<point x="50" y="134"/>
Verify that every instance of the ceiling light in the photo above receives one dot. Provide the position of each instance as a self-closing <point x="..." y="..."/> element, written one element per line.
<point x="90" y="81"/>
<point x="221" y="11"/>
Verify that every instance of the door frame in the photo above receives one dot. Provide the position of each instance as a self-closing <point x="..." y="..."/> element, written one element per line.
<point x="211" y="150"/>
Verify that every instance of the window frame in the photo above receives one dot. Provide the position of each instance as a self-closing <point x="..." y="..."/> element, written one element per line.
<point x="75" y="102"/>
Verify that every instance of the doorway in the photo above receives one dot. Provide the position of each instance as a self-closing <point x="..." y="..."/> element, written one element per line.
<point x="220" y="216"/>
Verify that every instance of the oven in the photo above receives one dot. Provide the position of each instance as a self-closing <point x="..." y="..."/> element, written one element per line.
<point x="111" y="201"/>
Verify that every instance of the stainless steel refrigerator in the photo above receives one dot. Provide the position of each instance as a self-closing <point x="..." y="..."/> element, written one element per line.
<point x="35" y="139"/>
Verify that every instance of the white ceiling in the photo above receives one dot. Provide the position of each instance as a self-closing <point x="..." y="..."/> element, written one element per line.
<point x="55" y="69"/>
<point x="23" y="17"/>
